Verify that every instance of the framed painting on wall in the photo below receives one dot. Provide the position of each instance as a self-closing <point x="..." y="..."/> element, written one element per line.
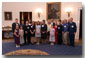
<point x="54" y="10"/>
<point x="8" y="15"/>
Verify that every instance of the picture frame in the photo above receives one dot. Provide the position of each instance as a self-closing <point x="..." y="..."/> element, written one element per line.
<point x="54" y="11"/>
<point x="8" y="15"/>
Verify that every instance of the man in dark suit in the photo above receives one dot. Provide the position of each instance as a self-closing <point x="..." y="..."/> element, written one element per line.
<point x="72" y="30"/>
<point x="27" y="32"/>
<point x="14" y="25"/>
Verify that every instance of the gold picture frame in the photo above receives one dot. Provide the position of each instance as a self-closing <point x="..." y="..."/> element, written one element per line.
<point x="54" y="11"/>
<point x="8" y="15"/>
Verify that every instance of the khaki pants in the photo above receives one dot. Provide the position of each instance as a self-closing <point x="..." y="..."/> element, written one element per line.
<point x="65" y="38"/>
<point x="68" y="40"/>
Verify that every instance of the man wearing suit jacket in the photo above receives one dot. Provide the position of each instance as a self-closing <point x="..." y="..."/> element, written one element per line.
<point x="14" y="25"/>
<point x="72" y="30"/>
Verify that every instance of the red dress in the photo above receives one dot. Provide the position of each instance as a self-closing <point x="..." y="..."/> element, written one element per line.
<point x="56" y="40"/>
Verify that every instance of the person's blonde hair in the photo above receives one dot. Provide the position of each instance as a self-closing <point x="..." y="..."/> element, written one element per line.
<point x="71" y="18"/>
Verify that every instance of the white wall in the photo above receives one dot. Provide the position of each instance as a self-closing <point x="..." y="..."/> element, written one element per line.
<point x="15" y="8"/>
<point x="76" y="6"/>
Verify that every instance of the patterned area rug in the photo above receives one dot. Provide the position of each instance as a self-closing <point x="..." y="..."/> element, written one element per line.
<point x="51" y="50"/>
<point x="27" y="52"/>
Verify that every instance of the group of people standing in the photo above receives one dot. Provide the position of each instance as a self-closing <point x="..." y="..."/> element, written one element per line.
<point x="54" y="32"/>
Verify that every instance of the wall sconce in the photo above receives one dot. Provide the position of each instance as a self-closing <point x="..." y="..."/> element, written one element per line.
<point x="68" y="11"/>
<point x="39" y="11"/>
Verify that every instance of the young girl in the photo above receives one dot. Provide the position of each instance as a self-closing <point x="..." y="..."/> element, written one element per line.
<point x="32" y="33"/>
<point x="16" y="36"/>
<point x="21" y="33"/>
<point x="38" y="32"/>
<point x="52" y="35"/>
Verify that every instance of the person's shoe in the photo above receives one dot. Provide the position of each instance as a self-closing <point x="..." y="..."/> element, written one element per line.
<point x="52" y="43"/>
<point x="17" y="46"/>
<point x="21" y="44"/>
<point x="37" y="43"/>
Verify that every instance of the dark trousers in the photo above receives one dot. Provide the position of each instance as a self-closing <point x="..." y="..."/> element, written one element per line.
<point x="59" y="38"/>
<point x="25" y="35"/>
<point x="44" y="36"/>
<point x="28" y="38"/>
<point x="71" y="36"/>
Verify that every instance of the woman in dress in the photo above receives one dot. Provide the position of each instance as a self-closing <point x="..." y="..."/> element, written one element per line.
<point x="16" y="36"/>
<point x="52" y="35"/>
<point x="21" y="33"/>
<point x="38" y="32"/>
<point x="32" y="33"/>
<point x="55" y="27"/>
<point x="48" y="31"/>
<point x="43" y="32"/>
<point x="59" y="32"/>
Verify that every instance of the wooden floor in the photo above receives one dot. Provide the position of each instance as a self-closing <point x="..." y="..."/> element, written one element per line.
<point x="78" y="42"/>
<point x="8" y="40"/>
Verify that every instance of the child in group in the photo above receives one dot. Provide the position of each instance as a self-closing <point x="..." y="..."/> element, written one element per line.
<point x="32" y="30"/>
<point x="38" y="32"/>
<point x="21" y="33"/>
<point x="52" y="35"/>
<point x="16" y="36"/>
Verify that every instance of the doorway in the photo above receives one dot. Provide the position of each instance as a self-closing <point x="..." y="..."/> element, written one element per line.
<point x="25" y="16"/>
<point x="80" y="31"/>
